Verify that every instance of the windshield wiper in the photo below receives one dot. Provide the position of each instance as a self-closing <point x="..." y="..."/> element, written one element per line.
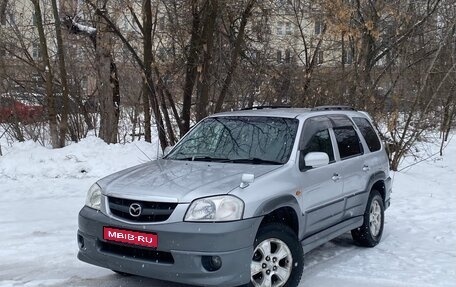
<point x="204" y="158"/>
<point x="255" y="160"/>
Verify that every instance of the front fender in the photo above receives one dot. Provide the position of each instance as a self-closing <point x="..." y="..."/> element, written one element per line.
<point x="272" y="204"/>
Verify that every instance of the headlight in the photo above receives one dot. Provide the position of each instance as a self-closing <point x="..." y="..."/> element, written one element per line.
<point x="217" y="208"/>
<point x="93" y="199"/>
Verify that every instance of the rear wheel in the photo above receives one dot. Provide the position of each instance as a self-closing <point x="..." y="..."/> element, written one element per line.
<point x="370" y="233"/>
<point x="277" y="259"/>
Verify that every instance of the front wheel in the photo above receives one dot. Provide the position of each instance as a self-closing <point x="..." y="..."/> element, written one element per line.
<point x="370" y="233"/>
<point x="278" y="258"/>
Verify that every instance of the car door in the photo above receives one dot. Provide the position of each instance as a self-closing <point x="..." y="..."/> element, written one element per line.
<point x="321" y="187"/>
<point x="352" y="163"/>
<point x="373" y="164"/>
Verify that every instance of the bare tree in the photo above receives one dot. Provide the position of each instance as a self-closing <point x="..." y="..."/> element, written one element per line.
<point x="236" y="51"/>
<point x="63" y="75"/>
<point x="46" y="69"/>
<point x="149" y="85"/>
<point x="192" y="59"/>
<point x="205" y="71"/>
<point x="3" y="5"/>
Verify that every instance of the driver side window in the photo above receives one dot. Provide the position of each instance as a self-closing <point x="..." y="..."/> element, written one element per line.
<point x="320" y="142"/>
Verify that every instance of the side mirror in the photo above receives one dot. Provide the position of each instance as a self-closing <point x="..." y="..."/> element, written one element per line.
<point x="316" y="159"/>
<point x="246" y="179"/>
<point x="167" y="150"/>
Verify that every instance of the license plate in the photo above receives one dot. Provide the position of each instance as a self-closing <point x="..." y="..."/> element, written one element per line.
<point x="130" y="237"/>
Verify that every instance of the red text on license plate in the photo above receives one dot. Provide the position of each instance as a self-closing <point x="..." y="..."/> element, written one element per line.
<point x="130" y="237"/>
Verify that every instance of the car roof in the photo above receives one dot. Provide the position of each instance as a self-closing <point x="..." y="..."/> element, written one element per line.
<point x="263" y="112"/>
<point x="289" y="112"/>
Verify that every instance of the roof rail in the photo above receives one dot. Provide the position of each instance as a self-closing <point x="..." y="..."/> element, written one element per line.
<point x="264" y="107"/>
<point x="332" y="108"/>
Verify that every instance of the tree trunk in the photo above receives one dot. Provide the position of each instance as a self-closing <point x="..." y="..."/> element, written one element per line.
<point x="63" y="75"/>
<point x="3" y="5"/>
<point x="167" y="93"/>
<point x="204" y="77"/>
<point x="115" y="85"/>
<point x="148" y="86"/>
<point x="147" y="46"/>
<point x="46" y="69"/>
<point x="191" y="70"/>
<point x="108" y="121"/>
<point x="169" y="127"/>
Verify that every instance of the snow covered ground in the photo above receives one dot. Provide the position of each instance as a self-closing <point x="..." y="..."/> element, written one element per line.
<point x="42" y="190"/>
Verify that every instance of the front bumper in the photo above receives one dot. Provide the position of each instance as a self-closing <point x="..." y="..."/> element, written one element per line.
<point x="180" y="251"/>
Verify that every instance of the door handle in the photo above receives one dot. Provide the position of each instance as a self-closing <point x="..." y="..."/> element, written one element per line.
<point x="366" y="168"/>
<point x="336" y="177"/>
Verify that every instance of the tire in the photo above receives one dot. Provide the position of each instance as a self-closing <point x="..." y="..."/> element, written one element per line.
<point x="370" y="233"/>
<point x="278" y="258"/>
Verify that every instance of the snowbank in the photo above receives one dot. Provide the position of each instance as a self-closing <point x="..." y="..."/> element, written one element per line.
<point x="91" y="157"/>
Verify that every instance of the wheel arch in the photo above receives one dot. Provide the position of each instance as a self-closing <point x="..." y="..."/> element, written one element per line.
<point x="377" y="182"/>
<point x="284" y="210"/>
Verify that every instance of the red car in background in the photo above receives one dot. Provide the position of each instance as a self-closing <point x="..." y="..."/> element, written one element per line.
<point x="21" y="108"/>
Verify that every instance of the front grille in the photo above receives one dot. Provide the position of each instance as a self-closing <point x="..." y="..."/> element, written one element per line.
<point x="150" y="211"/>
<point x="137" y="253"/>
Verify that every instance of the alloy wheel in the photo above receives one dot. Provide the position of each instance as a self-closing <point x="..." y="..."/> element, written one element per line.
<point x="375" y="218"/>
<point x="272" y="264"/>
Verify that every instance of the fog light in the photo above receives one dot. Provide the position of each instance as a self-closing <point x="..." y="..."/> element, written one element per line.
<point x="80" y="241"/>
<point x="211" y="263"/>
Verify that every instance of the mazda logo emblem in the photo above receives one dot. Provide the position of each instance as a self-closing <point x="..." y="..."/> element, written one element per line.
<point x="135" y="209"/>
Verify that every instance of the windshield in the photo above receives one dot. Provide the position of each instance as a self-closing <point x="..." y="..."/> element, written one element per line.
<point x="256" y="140"/>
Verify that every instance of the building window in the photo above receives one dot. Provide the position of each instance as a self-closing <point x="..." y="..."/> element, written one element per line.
<point x="36" y="78"/>
<point x="284" y="28"/>
<point x="162" y="53"/>
<point x="36" y="51"/>
<point x="347" y="57"/>
<point x="287" y="56"/>
<point x="84" y="84"/>
<point x="319" y="27"/>
<point x="319" y="57"/>
<point x="161" y="23"/>
<point x="283" y="3"/>
<point x="279" y="56"/>
<point x="280" y="29"/>
<point x="8" y="18"/>
<point x="251" y="54"/>
<point x="288" y="28"/>
<point x="34" y="19"/>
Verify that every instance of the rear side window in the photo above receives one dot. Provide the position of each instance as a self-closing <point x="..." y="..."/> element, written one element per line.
<point x="320" y="142"/>
<point x="368" y="133"/>
<point x="348" y="142"/>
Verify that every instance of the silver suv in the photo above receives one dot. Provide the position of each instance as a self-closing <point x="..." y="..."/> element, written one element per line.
<point x="241" y="198"/>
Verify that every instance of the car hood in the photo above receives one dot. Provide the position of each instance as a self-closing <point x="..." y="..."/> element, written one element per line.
<point x="177" y="180"/>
